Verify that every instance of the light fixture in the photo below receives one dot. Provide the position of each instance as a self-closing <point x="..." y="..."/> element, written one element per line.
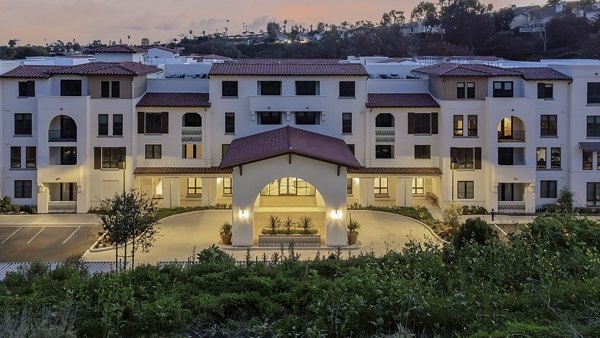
<point x="336" y="214"/>
<point x="243" y="214"/>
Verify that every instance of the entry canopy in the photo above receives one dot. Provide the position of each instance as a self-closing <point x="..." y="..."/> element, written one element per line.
<point x="288" y="140"/>
<point x="590" y="146"/>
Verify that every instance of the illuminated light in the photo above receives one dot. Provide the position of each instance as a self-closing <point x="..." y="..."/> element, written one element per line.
<point x="336" y="214"/>
<point x="243" y="214"/>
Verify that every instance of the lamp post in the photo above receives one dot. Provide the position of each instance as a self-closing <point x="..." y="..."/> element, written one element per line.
<point x="453" y="164"/>
<point x="121" y="165"/>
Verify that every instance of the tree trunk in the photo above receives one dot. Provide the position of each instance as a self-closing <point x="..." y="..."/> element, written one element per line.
<point x="133" y="252"/>
<point x="116" y="256"/>
<point x="125" y="255"/>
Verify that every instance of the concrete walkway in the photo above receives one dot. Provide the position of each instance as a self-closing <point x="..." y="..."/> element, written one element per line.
<point x="185" y="234"/>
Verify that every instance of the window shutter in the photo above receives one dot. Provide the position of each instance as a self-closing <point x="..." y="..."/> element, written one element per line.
<point x="140" y="122"/>
<point x="478" y="158"/>
<point x="411" y="123"/>
<point x="541" y="90"/>
<point x="97" y="158"/>
<point x="434" y="123"/>
<point x="164" y="123"/>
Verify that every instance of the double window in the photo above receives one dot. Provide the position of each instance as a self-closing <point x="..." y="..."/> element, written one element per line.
<point x="229" y="88"/>
<point x="103" y="124"/>
<point x="422" y="151"/>
<point x="269" y="117"/>
<point x="153" y="123"/>
<point x="30" y="157"/>
<point x="545" y="91"/>
<point x="465" y="190"/>
<point x="418" y="186"/>
<point x="548" y="125"/>
<point x="465" y="90"/>
<point x="380" y="187"/>
<point x="542" y="155"/>
<point x="503" y="89"/>
<point x="110" y="89"/>
<point x="307" y="88"/>
<point x="459" y="125"/>
<point x="194" y="187"/>
<point x="111" y="157"/>
<point x="593" y="92"/>
<point x="23" y="124"/>
<point x="191" y="151"/>
<point x="422" y="123"/>
<point x="548" y="189"/>
<point x="269" y="87"/>
<point x="23" y="188"/>
<point x="384" y="151"/>
<point x="347" y="89"/>
<point x="153" y="151"/>
<point x="593" y="126"/>
<point x="465" y="158"/>
<point x="308" y="117"/>
<point x="26" y="88"/>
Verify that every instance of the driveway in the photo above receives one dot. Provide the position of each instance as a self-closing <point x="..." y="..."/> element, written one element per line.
<point x="183" y="235"/>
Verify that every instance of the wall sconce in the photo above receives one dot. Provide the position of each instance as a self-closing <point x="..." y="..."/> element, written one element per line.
<point x="243" y="214"/>
<point x="336" y="214"/>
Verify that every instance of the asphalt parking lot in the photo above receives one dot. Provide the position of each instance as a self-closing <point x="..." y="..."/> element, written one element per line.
<point x="27" y="243"/>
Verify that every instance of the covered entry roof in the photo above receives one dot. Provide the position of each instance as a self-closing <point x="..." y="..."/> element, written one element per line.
<point x="590" y="146"/>
<point x="288" y="140"/>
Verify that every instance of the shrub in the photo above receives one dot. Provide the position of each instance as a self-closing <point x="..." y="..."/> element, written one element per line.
<point x="474" y="230"/>
<point x="5" y="205"/>
<point x="565" y="200"/>
<point x="451" y="213"/>
<point x="214" y="255"/>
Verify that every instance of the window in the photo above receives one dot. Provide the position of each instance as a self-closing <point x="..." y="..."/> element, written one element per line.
<point x="418" y="186"/>
<point x="26" y="88"/>
<point x="30" y="157"/>
<point x="68" y="155"/>
<point x="22" y="188"/>
<point x="381" y="187"/>
<point x="422" y="123"/>
<point x="288" y="186"/>
<point x="70" y="87"/>
<point x="308" y="117"/>
<point x="548" y="125"/>
<point x="191" y="151"/>
<point x="555" y="158"/>
<point x="545" y="91"/>
<point x="118" y="125"/>
<point x="593" y="126"/>
<point x="102" y="124"/>
<point x="593" y="92"/>
<point x="194" y="187"/>
<point x="15" y="157"/>
<point x="503" y="89"/>
<point x="458" y="125"/>
<point x="269" y="117"/>
<point x="465" y="190"/>
<point x="227" y="189"/>
<point x="111" y="157"/>
<point x="224" y="149"/>
<point x="229" y="123"/>
<point x="540" y="158"/>
<point x="346" y="123"/>
<point x="192" y="120"/>
<point x="153" y="123"/>
<point x="104" y="88"/>
<point x="349" y="186"/>
<point x="466" y="158"/>
<point x="470" y="90"/>
<point x="229" y="88"/>
<point x="598" y="161"/>
<point x="384" y="151"/>
<point x="384" y="120"/>
<point x="547" y="189"/>
<point x="461" y="92"/>
<point x="472" y="125"/>
<point x="593" y="194"/>
<point x="269" y="87"/>
<point x="153" y="151"/>
<point x="422" y="151"/>
<point x="110" y="89"/>
<point x="307" y="87"/>
<point x="506" y="156"/>
<point x="347" y="89"/>
<point x="22" y="124"/>
<point x="587" y="160"/>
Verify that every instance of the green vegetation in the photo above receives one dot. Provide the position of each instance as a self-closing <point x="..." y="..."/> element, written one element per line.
<point x="275" y="226"/>
<point x="166" y="212"/>
<point x="544" y="282"/>
<point x="418" y="213"/>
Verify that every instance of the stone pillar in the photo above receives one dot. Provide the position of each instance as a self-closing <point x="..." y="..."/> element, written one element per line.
<point x="171" y="192"/>
<point x="404" y="191"/>
<point x="366" y="195"/>
<point x="209" y="191"/>
<point x="43" y="197"/>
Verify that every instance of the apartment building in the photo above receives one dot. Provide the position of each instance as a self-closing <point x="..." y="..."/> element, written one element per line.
<point x="302" y="136"/>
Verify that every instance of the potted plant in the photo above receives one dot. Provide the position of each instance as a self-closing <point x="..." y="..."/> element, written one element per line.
<point x="273" y="224"/>
<point x="305" y="223"/>
<point x="352" y="226"/>
<point x="288" y="224"/>
<point x="226" y="233"/>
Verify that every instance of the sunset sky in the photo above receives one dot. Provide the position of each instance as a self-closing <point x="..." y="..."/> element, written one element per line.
<point x="37" y="21"/>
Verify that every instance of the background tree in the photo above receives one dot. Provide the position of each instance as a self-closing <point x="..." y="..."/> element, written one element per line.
<point x="503" y="19"/>
<point x="273" y="31"/>
<point x="474" y="230"/>
<point x="467" y="22"/>
<point x="427" y="13"/>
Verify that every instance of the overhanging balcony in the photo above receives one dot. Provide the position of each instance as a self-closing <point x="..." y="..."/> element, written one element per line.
<point x="288" y="103"/>
<point x="385" y="135"/>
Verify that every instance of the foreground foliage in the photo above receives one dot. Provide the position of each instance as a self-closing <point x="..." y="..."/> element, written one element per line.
<point x="544" y="282"/>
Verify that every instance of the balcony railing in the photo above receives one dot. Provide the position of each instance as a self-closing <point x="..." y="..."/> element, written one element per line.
<point x="515" y="136"/>
<point x="511" y="206"/>
<point x="385" y="135"/>
<point x="60" y="136"/>
<point x="191" y="134"/>
<point x="57" y="207"/>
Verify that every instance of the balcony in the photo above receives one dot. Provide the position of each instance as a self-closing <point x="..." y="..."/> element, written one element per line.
<point x="288" y="103"/>
<point x="385" y="135"/>
<point x="514" y="136"/>
<point x="61" y="207"/>
<point x="191" y="134"/>
<point x="511" y="206"/>
<point x="61" y="136"/>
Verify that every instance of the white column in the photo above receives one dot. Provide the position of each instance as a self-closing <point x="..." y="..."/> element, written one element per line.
<point x="209" y="191"/>
<point x="404" y="191"/>
<point x="242" y="230"/>
<point x="171" y="192"/>
<point x="42" y="199"/>
<point x="335" y="229"/>
<point x="367" y="195"/>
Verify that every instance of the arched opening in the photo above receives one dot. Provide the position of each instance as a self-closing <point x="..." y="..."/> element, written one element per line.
<point x="62" y="129"/>
<point x="511" y="129"/>
<point x="192" y="120"/>
<point x="384" y="120"/>
<point x="191" y="135"/>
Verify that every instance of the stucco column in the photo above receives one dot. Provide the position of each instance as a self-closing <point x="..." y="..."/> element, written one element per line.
<point x="209" y="191"/>
<point x="404" y="191"/>
<point x="366" y="196"/>
<point x="82" y="199"/>
<point x="242" y="230"/>
<point x="171" y="192"/>
<point x="335" y="229"/>
<point x="529" y="197"/>
<point x="42" y="199"/>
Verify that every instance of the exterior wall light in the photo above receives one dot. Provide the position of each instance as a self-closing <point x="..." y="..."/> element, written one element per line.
<point x="243" y="214"/>
<point x="336" y="214"/>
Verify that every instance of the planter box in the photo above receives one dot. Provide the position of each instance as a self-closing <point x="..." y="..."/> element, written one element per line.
<point x="277" y="241"/>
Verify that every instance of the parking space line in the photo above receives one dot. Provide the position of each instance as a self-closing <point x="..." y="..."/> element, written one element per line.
<point x="502" y="231"/>
<point x="34" y="236"/>
<point x="71" y="235"/>
<point x="9" y="236"/>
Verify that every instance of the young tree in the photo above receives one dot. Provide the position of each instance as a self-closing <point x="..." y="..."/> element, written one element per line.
<point x="130" y="217"/>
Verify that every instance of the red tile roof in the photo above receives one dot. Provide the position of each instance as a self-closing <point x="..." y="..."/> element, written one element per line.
<point x="288" y="67"/>
<point x="179" y="171"/>
<point x="93" y="68"/>
<point x="404" y="100"/>
<point x="288" y="140"/>
<point x="541" y="73"/>
<point x="396" y="171"/>
<point x="167" y="49"/>
<point x="119" y="49"/>
<point x="459" y="70"/>
<point x="174" y="100"/>
<point x="30" y="72"/>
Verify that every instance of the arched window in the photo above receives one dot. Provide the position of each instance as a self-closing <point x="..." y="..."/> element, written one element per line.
<point x="192" y="120"/>
<point x="384" y="120"/>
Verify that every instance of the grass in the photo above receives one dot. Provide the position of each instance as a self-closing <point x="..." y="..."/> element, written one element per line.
<point x="166" y="212"/>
